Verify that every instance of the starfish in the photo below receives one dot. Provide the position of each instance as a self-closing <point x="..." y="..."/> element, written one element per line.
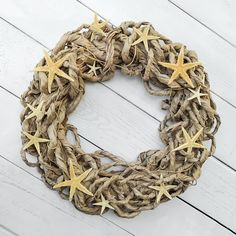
<point x="162" y="189"/>
<point x="53" y="68"/>
<point x="197" y="94"/>
<point x="93" y="68"/>
<point x="34" y="140"/>
<point x="97" y="27"/>
<point x="75" y="182"/>
<point x="35" y="111"/>
<point x="144" y="37"/>
<point x="104" y="203"/>
<point x="180" y="68"/>
<point x="190" y="143"/>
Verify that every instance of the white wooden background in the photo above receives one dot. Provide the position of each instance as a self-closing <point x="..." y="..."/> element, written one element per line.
<point x="120" y="106"/>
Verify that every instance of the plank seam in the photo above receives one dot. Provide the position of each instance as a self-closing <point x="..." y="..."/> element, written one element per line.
<point x="207" y="27"/>
<point x="54" y="205"/>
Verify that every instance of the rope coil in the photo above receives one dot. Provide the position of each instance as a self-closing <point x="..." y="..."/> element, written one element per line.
<point x="125" y="185"/>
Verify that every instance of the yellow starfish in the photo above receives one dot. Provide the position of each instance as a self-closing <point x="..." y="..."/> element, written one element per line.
<point x="53" y="68"/>
<point x="104" y="203"/>
<point x="190" y="143"/>
<point x="162" y="189"/>
<point x="197" y="94"/>
<point x="35" y="111"/>
<point x="75" y="182"/>
<point x="97" y="27"/>
<point x="144" y="37"/>
<point x="93" y="68"/>
<point x="34" y="140"/>
<point x="180" y="68"/>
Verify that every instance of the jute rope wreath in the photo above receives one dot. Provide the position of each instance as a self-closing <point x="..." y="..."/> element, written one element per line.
<point x="92" y="181"/>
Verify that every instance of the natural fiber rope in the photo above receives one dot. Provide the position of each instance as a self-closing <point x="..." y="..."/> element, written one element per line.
<point x="125" y="188"/>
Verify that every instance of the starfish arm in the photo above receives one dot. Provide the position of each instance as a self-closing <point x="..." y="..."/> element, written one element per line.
<point x="31" y="107"/>
<point x="84" y="189"/>
<point x="64" y="75"/>
<point x="137" y="41"/>
<point x="185" y="77"/>
<point x="158" y="199"/>
<point x="180" y="60"/>
<point x="40" y="105"/>
<point x="72" y="171"/>
<point x="84" y="174"/>
<point x="30" y="116"/>
<point x="198" y="145"/>
<point x="152" y="37"/>
<point x="192" y="97"/>
<point x="51" y="77"/>
<point x="65" y="183"/>
<point x="37" y="147"/>
<point x="41" y="69"/>
<point x="27" y="145"/>
<point x="157" y="188"/>
<point x="186" y="135"/>
<point x="60" y="62"/>
<point x="29" y="136"/>
<point x="168" y="65"/>
<point x="97" y="204"/>
<point x="138" y="31"/>
<point x="43" y="140"/>
<point x="102" y="209"/>
<point x="168" y="187"/>
<point x="196" y="136"/>
<point x="167" y="193"/>
<point x="173" y="77"/>
<point x="190" y="65"/>
<point x="145" y="42"/>
<point x="146" y="30"/>
<point x="199" y="100"/>
<point x="48" y="59"/>
<point x="72" y="192"/>
<point x="111" y="207"/>
<point x="183" y="146"/>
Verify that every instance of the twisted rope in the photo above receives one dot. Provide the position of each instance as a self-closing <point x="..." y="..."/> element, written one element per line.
<point x="125" y="185"/>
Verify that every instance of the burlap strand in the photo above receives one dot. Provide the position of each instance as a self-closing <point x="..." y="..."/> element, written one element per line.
<point x="126" y="186"/>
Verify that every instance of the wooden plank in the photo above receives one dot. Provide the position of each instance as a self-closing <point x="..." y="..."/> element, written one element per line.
<point x="29" y="208"/>
<point x="47" y="21"/>
<point x="219" y="16"/>
<point x="28" y="189"/>
<point x="138" y="96"/>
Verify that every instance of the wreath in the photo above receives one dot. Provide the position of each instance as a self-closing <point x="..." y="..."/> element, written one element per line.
<point x="100" y="180"/>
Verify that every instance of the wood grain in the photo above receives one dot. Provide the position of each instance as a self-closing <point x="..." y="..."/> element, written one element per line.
<point x="221" y="18"/>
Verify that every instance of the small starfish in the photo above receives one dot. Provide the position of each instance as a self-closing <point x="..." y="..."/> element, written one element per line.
<point x="93" y="68"/>
<point x="180" y="68"/>
<point x="197" y="94"/>
<point x="34" y="140"/>
<point x="75" y="182"/>
<point x="97" y="27"/>
<point x="104" y="203"/>
<point x="53" y="68"/>
<point x="35" y="111"/>
<point x="190" y="143"/>
<point x="162" y="189"/>
<point x="144" y="37"/>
